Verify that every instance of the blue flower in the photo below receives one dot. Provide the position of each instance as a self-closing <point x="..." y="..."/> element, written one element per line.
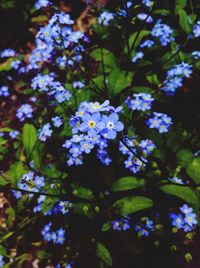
<point x="141" y="102"/>
<point x="25" y="111"/>
<point x="39" y="181"/>
<point x="139" y="55"/>
<point x="7" y="53"/>
<point x="91" y="124"/>
<point x="1" y="261"/>
<point x="42" y="3"/>
<point x="111" y="126"/>
<point x="65" y="18"/>
<point x="160" y="121"/>
<point x="4" y="92"/>
<point x="163" y="32"/>
<point x="45" y="132"/>
<point x="57" y="121"/>
<point x="105" y="17"/>
<point x="196" y="29"/>
<point x="145" y="17"/>
<point x="147" y="43"/>
<point x="121" y="225"/>
<point x="177" y="220"/>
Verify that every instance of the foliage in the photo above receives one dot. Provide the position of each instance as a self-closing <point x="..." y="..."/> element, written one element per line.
<point x="93" y="146"/>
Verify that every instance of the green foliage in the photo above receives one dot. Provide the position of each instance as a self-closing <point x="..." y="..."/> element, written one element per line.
<point x="104" y="254"/>
<point x="118" y="80"/>
<point x="131" y="204"/>
<point x="127" y="183"/>
<point x="183" y="192"/>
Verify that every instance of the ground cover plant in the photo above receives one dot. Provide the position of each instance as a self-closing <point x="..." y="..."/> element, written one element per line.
<point x="99" y="135"/>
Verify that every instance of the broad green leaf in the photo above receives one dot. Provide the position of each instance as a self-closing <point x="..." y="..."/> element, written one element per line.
<point x="180" y="4"/>
<point x="118" y="80"/>
<point x="142" y="90"/>
<point x="184" y="21"/>
<point x="127" y="183"/>
<point x="131" y="204"/>
<point x="82" y="192"/>
<point x="104" y="254"/>
<point x="29" y="137"/>
<point x="182" y="192"/>
<point x="105" y="57"/>
<point x="15" y="172"/>
<point x="3" y="180"/>
<point x="184" y="157"/>
<point x="193" y="169"/>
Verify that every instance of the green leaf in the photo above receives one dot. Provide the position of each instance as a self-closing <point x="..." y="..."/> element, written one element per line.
<point x="82" y="192"/>
<point x="29" y="138"/>
<point x="184" y="157"/>
<point x="180" y="4"/>
<point x="182" y="192"/>
<point x="3" y="180"/>
<point x="127" y="183"/>
<point x="184" y="21"/>
<point x="142" y="90"/>
<point x="193" y="169"/>
<point x="118" y="80"/>
<point x="106" y="226"/>
<point x="40" y="18"/>
<point x="131" y="204"/>
<point x="162" y="11"/>
<point x="104" y="254"/>
<point x="6" y="66"/>
<point x="2" y="250"/>
<point x="15" y="172"/>
<point x="42" y="254"/>
<point x="105" y="57"/>
<point x="153" y="79"/>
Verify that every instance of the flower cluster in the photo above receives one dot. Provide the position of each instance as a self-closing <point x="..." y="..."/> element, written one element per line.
<point x="24" y="111"/>
<point x="46" y="83"/>
<point x="121" y="225"/>
<point x="57" y="237"/>
<point x="145" y="228"/>
<point x="61" y="207"/>
<point x="137" y="153"/>
<point x="7" y="53"/>
<point x="141" y="102"/>
<point x="29" y="182"/>
<point x="163" y="32"/>
<point x="186" y="220"/>
<point x="175" y="77"/>
<point x="160" y="121"/>
<point x="93" y="124"/>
